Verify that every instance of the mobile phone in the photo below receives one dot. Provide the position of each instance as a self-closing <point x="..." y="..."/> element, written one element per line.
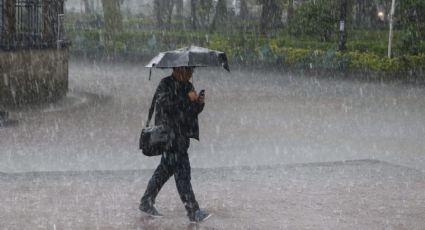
<point x="202" y="93"/>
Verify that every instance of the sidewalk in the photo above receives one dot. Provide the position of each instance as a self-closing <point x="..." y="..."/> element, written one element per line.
<point x="362" y="194"/>
<point x="5" y="121"/>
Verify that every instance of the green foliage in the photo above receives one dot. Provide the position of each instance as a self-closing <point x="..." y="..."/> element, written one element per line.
<point x="281" y="40"/>
<point x="220" y="17"/>
<point x="315" y="18"/>
<point x="204" y="10"/>
<point x="411" y="16"/>
<point x="271" y="15"/>
<point x="112" y="16"/>
<point x="78" y="21"/>
<point x="240" y="48"/>
<point x="354" y="61"/>
<point x="279" y="49"/>
<point x="84" y="40"/>
<point x="134" y="41"/>
<point x="373" y="46"/>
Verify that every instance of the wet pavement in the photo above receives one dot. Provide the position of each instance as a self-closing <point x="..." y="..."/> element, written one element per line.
<point x="252" y="117"/>
<point x="361" y="194"/>
<point x="277" y="151"/>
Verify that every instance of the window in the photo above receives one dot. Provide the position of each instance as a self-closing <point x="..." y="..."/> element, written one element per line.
<point x="34" y="23"/>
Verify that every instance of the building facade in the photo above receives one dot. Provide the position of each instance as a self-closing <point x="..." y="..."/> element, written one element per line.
<point x="33" y="52"/>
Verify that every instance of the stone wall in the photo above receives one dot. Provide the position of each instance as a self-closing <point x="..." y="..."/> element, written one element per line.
<point x="33" y="76"/>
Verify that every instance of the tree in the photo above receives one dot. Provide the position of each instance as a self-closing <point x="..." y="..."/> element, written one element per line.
<point x="384" y="6"/>
<point x="193" y="18"/>
<point x="244" y="16"/>
<point x="87" y="8"/>
<point x="169" y="6"/>
<point x="179" y="11"/>
<point x="163" y="12"/>
<point x="204" y="10"/>
<point x="220" y="17"/>
<point x="244" y="13"/>
<point x="112" y="16"/>
<point x="290" y="11"/>
<point x="411" y="18"/>
<point x="365" y="13"/>
<point x="317" y="18"/>
<point x="271" y="15"/>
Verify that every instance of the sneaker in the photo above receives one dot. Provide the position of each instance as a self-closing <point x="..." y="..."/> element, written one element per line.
<point x="151" y="211"/>
<point x="199" y="216"/>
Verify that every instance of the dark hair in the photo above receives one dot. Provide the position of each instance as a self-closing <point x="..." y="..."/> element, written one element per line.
<point x="184" y="67"/>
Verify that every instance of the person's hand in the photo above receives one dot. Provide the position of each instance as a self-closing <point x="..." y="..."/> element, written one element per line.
<point x="193" y="96"/>
<point x="201" y="99"/>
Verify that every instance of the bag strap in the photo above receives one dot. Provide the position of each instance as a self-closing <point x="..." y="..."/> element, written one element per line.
<point x="151" y="110"/>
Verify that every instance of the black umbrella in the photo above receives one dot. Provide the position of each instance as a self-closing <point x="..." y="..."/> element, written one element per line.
<point x="192" y="56"/>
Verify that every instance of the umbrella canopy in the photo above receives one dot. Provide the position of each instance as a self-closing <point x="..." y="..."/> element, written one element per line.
<point x="192" y="56"/>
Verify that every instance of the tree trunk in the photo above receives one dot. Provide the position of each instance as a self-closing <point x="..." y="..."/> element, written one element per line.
<point x="203" y="13"/>
<point x="157" y="6"/>
<point x="244" y="13"/>
<point x="220" y="17"/>
<point x="179" y="10"/>
<point x="362" y="13"/>
<point x="290" y="11"/>
<point x="193" y="17"/>
<point x="270" y="15"/>
<point x="91" y="3"/>
<point x="264" y="16"/>
<point x="163" y="12"/>
<point x="112" y="16"/>
<point x="87" y="8"/>
<point x="169" y="7"/>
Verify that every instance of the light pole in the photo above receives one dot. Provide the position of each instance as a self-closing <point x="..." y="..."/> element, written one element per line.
<point x="390" y="36"/>
<point x="342" y="33"/>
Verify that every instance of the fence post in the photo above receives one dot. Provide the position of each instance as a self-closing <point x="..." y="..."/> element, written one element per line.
<point x="390" y="35"/>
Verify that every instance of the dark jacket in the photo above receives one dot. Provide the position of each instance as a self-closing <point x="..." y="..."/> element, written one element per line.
<point x="175" y="110"/>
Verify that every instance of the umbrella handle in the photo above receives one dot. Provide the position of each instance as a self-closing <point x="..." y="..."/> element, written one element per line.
<point x="150" y="73"/>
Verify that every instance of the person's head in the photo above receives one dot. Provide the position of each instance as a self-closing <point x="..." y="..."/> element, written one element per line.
<point x="183" y="73"/>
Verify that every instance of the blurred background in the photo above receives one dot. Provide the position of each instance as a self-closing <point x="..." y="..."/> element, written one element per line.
<point x="293" y="33"/>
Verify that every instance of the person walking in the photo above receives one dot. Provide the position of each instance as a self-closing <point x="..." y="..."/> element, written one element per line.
<point x="177" y="107"/>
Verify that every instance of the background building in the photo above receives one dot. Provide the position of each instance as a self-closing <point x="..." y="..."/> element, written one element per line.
<point x="33" y="52"/>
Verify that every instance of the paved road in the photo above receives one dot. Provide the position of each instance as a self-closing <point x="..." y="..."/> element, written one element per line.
<point x="252" y="118"/>
<point x="342" y="195"/>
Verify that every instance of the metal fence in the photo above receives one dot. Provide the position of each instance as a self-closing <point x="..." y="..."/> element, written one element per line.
<point x="31" y="23"/>
<point x="1" y="18"/>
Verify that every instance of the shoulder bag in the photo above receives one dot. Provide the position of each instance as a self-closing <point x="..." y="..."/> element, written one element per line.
<point x="153" y="140"/>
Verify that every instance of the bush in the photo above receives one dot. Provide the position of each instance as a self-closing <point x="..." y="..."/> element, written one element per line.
<point x="411" y="16"/>
<point x="315" y="18"/>
<point x="252" y="49"/>
<point x="376" y="47"/>
<point x="354" y="61"/>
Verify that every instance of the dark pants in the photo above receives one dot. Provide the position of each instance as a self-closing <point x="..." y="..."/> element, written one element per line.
<point x="175" y="161"/>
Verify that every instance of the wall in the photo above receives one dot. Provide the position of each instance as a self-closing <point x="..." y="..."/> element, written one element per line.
<point x="33" y="76"/>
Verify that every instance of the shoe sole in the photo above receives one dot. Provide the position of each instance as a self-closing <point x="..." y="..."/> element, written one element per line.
<point x="206" y="218"/>
<point x="153" y="216"/>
